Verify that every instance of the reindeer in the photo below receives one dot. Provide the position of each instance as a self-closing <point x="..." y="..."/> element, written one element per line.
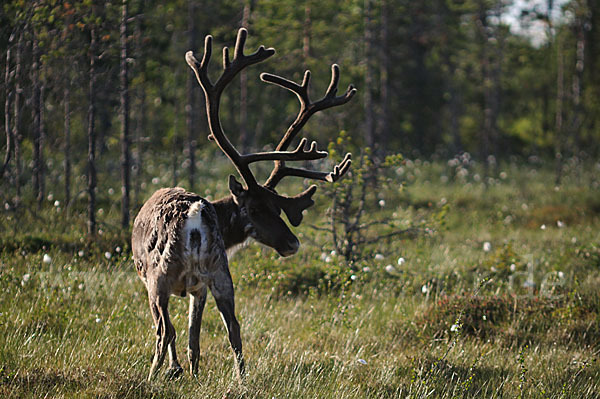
<point x="179" y="239"/>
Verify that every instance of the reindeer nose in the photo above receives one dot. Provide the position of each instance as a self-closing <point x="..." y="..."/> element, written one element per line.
<point x="291" y="247"/>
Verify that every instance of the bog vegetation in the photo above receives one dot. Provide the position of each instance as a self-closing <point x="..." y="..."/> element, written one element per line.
<point x="493" y="294"/>
<point x="460" y="256"/>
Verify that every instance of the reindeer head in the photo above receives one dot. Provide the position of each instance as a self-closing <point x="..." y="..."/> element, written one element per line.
<point x="260" y="204"/>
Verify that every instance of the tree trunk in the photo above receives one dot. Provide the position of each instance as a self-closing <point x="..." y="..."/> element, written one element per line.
<point x="558" y="141"/>
<point x="17" y="120"/>
<point x="307" y="28"/>
<point x="7" y="104"/>
<point x="455" y="108"/>
<point x="42" y="138"/>
<point x="91" y="164"/>
<point x="495" y="74"/>
<point x="139" y="146"/>
<point x="36" y="117"/>
<point x="175" y="154"/>
<point x="140" y="113"/>
<point x="190" y="102"/>
<point x="370" y="139"/>
<point x="67" y="148"/>
<point x="384" y="73"/>
<point x="490" y="94"/>
<point x="244" y="137"/>
<point x="576" y="118"/>
<point x="124" y="119"/>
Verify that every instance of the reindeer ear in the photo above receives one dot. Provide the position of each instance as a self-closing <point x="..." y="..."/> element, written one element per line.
<point x="293" y="206"/>
<point x="235" y="187"/>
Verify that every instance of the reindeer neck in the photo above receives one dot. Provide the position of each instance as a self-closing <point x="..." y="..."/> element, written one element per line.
<point x="231" y="222"/>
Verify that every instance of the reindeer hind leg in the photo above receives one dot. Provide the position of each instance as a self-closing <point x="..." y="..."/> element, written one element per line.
<point x="197" y="302"/>
<point x="165" y="332"/>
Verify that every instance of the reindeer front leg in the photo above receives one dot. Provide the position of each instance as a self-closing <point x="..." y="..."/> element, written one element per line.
<point x="222" y="290"/>
<point x="197" y="302"/>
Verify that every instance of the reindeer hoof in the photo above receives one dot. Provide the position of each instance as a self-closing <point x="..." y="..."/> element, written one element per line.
<point x="174" y="373"/>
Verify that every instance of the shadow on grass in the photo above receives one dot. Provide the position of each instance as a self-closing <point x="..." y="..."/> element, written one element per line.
<point x="79" y="383"/>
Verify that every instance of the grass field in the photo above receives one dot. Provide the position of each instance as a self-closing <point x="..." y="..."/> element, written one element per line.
<point x="497" y="297"/>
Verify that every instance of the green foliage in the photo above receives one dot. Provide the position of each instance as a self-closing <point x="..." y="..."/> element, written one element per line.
<point x="359" y="193"/>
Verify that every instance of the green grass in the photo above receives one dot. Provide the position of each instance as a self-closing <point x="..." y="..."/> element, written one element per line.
<point x="454" y="320"/>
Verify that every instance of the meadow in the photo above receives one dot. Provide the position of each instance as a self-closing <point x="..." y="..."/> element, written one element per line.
<point x="494" y="294"/>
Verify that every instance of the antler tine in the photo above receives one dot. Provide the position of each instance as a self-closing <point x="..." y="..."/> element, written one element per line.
<point x="338" y="171"/>
<point x="300" y="90"/>
<point x="299" y="154"/>
<point x="240" y="61"/>
<point x="226" y="61"/>
<point x="240" y="42"/>
<point x="213" y="92"/>
<point x="201" y="68"/>
<point x="330" y="100"/>
<point x="307" y="109"/>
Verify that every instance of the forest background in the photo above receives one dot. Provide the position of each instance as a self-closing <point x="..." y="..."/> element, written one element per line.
<point x="459" y="257"/>
<point x="88" y="82"/>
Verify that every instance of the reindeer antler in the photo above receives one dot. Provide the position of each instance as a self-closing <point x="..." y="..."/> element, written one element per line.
<point x="292" y="206"/>
<point x="307" y="109"/>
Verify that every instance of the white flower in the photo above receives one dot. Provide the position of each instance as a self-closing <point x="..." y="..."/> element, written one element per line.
<point x="362" y="361"/>
<point x="333" y="253"/>
<point x="111" y="191"/>
<point x="561" y="275"/>
<point x="81" y="286"/>
<point x="26" y="277"/>
<point x="390" y="269"/>
<point x="379" y="257"/>
<point x="107" y="255"/>
<point x="401" y="261"/>
<point x="573" y="240"/>
<point x="454" y="327"/>
<point x="543" y="227"/>
<point x="98" y="320"/>
<point x="487" y="247"/>
<point x="118" y="250"/>
<point x="80" y="253"/>
<point x="560" y="224"/>
<point x="353" y="277"/>
<point x="381" y="203"/>
<point x="513" y="267"/>
<point x="484" y="317"/>
<point x="155" y="180"/>
<point x="366" y="269"/>
<point x="47" y="258"/>
<point x="424" y="289"/>
<point x="327" y="259"/>
<point x="57" y="203"/>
